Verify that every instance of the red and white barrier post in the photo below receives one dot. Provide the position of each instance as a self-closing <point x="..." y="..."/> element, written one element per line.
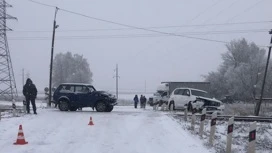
<point x="13" y="108"/>
<point x="185" y="114"/>
<point x="229" y="137"/>
<point x="154" y="107"/>
<point x="202" y="120"/>
<point x="193" y="119"/>
<point x="213" y="124"/>
<point x="252" y="138"/>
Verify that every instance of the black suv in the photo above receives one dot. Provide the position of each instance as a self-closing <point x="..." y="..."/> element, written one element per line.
<point x="73" y="96"/>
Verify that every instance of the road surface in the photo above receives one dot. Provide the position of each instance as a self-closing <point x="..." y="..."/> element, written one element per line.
<point x="125" y="130"/>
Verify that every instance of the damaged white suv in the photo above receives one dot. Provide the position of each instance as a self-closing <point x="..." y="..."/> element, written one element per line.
<point x="190" y="98"/>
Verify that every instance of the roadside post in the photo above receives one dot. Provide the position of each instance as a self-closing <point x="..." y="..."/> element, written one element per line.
<point x="154" y="107"/>
<point x="185" y="114"/>
<point x="13" y="108"/>
<point x="24" y="106"/>
<point x="193" y="119"/>
<point x="202" y="120"/>
<point x="229" y="136"/>
<point x="213" y="124"/>
<point x="252" y="138"/>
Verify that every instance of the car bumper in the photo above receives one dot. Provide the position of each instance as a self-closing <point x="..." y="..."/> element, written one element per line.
<point x="113" y="104"/>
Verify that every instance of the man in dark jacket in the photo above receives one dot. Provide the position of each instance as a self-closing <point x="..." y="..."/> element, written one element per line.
<point x="144" y="102"/>
<point x="141" y="101"/>
<point x="30" y="93"/>
<point x="136" y="100"/>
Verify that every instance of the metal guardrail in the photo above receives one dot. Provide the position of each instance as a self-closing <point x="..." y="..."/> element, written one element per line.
<point x="236" y="118"/>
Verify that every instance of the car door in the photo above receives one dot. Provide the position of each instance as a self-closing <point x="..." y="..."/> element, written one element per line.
<point x="82" y="95"/>
<point x="185" y="98"/>
<point x="178" y="98"/>
<point x="67" y="91"/>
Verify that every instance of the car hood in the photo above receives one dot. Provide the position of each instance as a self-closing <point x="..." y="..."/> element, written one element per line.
<point x="105" y="93"/>
<point x="209" y="99"/>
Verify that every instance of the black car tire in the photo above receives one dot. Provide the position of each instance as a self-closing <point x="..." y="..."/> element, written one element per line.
<point x="101" y="106"/>
<point x="63" y="105"/>
<point x="73" y="109"/>
<point x="109" y="108"/>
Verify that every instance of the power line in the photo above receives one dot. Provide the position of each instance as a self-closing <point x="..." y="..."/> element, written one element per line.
<point x="154" y="27"/>
<point x="139" y="35"/>
<point x="245" y="10"/>
<point x="130" y="26"/>
<point x="42" y="4"/>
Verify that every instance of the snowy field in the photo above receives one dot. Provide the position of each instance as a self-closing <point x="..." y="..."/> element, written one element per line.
<point x="240" y="135"/>
<point x="125" y="130"/>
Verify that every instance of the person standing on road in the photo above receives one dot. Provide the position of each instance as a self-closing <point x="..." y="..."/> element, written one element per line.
<point x="30" y="93"/>
<point x="136" y="100"/>
<point x="144" y="102"/>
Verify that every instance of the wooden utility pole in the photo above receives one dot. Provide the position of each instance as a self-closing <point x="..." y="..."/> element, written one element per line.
<point x="51" y="59"/>
<point x="258" y="106"/>
<point x="116" y="77"/>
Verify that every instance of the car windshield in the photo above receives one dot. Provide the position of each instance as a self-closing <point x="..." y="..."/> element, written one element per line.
<point x="91" y="88"/>
<point x="200" y="93"/>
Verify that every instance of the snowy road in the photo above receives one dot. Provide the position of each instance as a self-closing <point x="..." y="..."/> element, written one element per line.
<point x="125" y="130"/>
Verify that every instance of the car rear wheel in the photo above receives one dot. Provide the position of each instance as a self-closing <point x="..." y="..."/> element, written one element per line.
<point x="101" y="106"/>
<point x="109" y="108"/>
<point x="63" y="105"/>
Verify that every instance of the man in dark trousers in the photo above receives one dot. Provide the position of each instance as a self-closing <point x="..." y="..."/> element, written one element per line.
<point x="142" y="101"/>
<point x="136" y="100"/>
<point x="30" y="93"/>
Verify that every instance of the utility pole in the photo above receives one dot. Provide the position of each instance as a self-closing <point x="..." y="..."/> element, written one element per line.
<point x="116" y="77"/>
<point x="145" y="86"/>
<point x="258" y="106"/>
<point x="55" y="26"/>
<point x="23" y="77"/>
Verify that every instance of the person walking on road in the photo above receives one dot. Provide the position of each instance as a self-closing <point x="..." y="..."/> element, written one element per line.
<point x="141" y="100"/>
<point x="144" y="102"/>
<point x="136" y="100"/>
<point x="30" y="93"/>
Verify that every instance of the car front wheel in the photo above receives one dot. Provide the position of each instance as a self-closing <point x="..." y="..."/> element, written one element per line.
<point x="63" y="105"/>
<point x="101" y="106"/>
<point x="109" y="108"/>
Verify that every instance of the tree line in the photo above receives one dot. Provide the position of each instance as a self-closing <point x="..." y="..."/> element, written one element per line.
<point x="241" y="73"/>
<point x="69" y="68"/>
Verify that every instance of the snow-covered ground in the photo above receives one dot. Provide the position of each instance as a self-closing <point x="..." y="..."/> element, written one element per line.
<point x="240" y="134"/>
<point x="125" y="130"/>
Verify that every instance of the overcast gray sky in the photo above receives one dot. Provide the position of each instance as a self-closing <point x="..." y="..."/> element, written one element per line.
<point x="140" y="59"/>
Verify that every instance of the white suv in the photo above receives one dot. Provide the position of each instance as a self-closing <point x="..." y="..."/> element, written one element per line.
<point x="190" y="98"/>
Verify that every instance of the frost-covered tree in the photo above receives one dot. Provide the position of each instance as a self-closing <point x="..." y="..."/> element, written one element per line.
<point x="241" y="73"/>
<point x="71" y="68"/>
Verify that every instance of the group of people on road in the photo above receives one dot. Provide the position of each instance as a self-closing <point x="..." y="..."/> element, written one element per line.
<point x="143" y="101"/>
